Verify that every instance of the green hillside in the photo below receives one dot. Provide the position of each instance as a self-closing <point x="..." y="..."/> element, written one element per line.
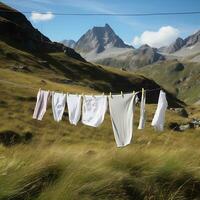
<point x="50" y="160"/>
<point x="182" y="79"/>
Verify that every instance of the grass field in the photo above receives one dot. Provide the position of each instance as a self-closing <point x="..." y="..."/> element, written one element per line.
<point x="50" y="160"/>
<point x="53" y="160"/>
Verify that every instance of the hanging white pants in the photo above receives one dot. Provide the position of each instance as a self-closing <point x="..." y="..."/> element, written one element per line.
<point x="142" y="111"/>
<point x="121" y="113"/>
<point x="74" y="108"/>
<point x="58" y="105"/>
<point x="41" y="104"/>
<point x="94" y="109"/>
<point x="159" y="116"/>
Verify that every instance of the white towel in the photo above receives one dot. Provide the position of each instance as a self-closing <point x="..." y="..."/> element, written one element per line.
<point x="94" y="109"/>
<point x="121" y="111"/>
<point x="142" y="111"/>
<point x="159" y="116"/>
<point x="41" y="104"/>
<point x="74" y="108"/>
<point x="58" y="105"/>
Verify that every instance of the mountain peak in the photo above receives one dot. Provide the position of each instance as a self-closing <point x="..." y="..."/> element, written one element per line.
<point x="98" y="39"/>
<point x="175" y="46"/>
<point x="107" y="26"/>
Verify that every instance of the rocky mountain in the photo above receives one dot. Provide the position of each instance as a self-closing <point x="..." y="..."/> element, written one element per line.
<point x="184" y="49"/>
<point x="101" y="45"/>
<point x="98" y="39"/>
<point x="131" y="59"/>
<point x="17" y="31"/>
<point x="175" y="46"/>
<point x="193" y="39"/>
<point x="69" y="43"/>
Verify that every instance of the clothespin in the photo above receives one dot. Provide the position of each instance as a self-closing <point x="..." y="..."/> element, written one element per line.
<point x="110" y="95"/>
<point x="142" y="91"/>
<point x="122" y="93"/>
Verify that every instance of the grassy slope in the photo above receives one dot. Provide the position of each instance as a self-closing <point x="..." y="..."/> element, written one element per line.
<point x="164" y="73"/>
<point x="68" y="162"/>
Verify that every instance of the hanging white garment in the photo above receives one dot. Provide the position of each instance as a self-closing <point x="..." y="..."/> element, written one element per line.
<point x="159" y="116"/>
<point x="94" y="109"/>
<point x="142" y="111"/>
<point x="122" y="112"/>
<point x="74" y="108"/>
<point x="58" y="105"/>
<point x="41" y="104"/>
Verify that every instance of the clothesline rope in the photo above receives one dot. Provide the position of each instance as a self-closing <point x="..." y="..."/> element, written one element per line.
<point x="109" y="14"/>
<point x="33" y="88"/>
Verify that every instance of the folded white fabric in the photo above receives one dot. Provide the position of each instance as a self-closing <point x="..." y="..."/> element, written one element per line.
<point x="58" y="105"/>
<point x="121" y="111"/>
<point x="159" y="116"/>
<point x="74" y="108"/>
<point x="142" y="111"/>
<point x="94" y="109"/>
<point x="41" y="104"/>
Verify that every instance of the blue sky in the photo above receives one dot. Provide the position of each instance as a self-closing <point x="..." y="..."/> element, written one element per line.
<point x="137" y="29"/>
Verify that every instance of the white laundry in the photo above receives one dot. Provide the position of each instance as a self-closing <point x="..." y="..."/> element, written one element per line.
<point x="94" y="109"/>
<point x="121" y="111"/>
<point x="41" y="104"/>
<point x="159" y="116"/>
<point x="142" y="111"/>
<point x="74" y="108"/>
<point x="58" y="105"/>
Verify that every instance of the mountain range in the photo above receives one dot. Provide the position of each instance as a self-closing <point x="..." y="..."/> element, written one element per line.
<point x="103" y="46"/>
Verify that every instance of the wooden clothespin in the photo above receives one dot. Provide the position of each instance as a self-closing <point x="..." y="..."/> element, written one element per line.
<point x="110" y="95"/>
<point x="122" y="93"/>
<point x="133" y="92"/>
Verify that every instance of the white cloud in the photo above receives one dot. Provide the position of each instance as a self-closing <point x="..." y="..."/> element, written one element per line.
<point x="37" y="17"/>
<point x="163" y="37"/>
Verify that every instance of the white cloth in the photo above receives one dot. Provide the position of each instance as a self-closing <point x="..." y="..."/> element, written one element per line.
<point x="41" y="104"/>
<point x="159" y="116"/>
<point x="142" y="111"/>
<point x="58" y="105"/>
<point x="94" y="109"/>
<point x="121" y="112"/>
<point x="74" y="108"/>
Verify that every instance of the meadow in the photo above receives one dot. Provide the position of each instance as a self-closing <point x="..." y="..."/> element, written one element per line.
<point x="50" y="160"/>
